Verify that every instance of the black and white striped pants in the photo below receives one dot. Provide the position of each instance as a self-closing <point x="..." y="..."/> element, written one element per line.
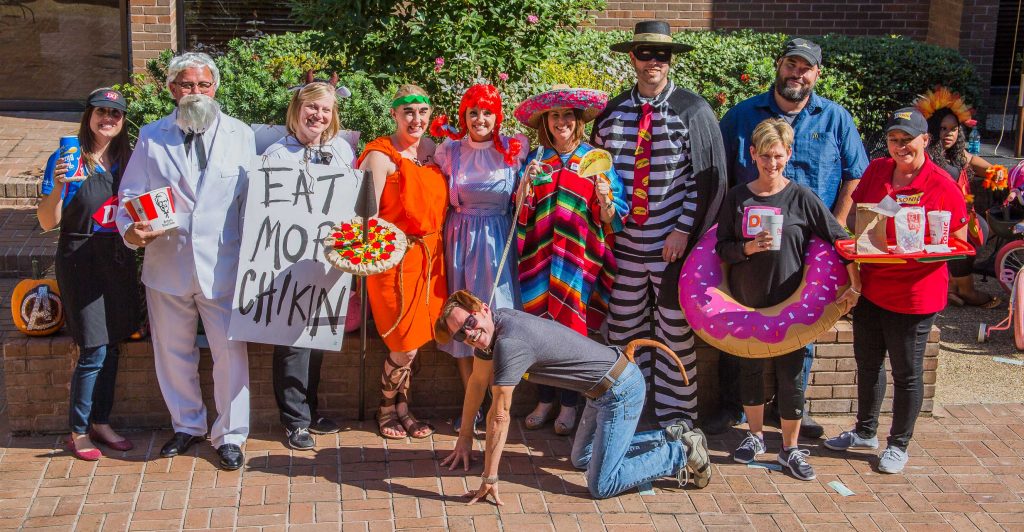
<point x="634" y="313"/>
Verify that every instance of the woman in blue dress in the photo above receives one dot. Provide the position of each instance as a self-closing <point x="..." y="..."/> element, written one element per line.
<point x="481" y="166"/>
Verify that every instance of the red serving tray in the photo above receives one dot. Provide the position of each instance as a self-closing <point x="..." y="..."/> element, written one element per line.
<point x="847" y="249"/>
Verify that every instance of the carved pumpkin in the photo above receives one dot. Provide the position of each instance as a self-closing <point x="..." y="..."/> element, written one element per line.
<point x="36" y="305"/>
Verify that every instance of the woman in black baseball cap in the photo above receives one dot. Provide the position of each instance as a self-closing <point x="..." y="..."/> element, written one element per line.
<point x="96" y="272"/>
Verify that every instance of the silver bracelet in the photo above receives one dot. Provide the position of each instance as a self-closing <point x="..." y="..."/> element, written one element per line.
<point x="489" y="480"/>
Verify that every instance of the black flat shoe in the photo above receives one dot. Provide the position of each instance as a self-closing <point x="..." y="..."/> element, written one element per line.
<point x="179" y="444"/>
<point x="323" y="425"/>
<point x="231" y="456"/>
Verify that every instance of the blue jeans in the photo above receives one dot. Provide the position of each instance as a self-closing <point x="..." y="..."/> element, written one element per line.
<point x="92" y="387"/>
<point x="615" y="458"/>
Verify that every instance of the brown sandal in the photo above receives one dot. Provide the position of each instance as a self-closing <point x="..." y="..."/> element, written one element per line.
<point x="412" y="425"/>
<point x="390" y="421"/>
<point x="392" y="381"/>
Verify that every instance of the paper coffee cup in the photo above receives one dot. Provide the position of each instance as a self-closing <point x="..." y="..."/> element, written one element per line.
<point x="773" y="224"/>
<point x="938" y="226"/>
<point x="155" y="207"/>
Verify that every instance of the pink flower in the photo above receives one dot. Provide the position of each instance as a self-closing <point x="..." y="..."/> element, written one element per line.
<point x="532" y="19"/>
<point x="438" y="63"/>
<point x="502" y="76"/>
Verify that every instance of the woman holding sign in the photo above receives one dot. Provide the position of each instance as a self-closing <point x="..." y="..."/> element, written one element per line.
<point x="565" y="228"/>
<point x="96" y="272"/>
<point x="313" y="126"/>
<point x="482" y="167"/>
<point x="763" y="231"/>
<point x="412" y="194"/>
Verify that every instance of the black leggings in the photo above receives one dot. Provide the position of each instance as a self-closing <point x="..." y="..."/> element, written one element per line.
<point x="904" y="336"/>
<point x="789" y="382"/>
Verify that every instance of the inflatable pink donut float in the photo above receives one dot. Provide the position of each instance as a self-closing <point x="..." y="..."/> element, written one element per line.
<point x="726" y="324"/>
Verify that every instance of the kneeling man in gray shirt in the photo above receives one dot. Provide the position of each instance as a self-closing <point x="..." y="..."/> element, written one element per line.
<point x="511" y="345"/>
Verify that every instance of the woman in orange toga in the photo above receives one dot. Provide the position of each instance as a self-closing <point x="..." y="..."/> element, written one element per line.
<point x="412" y="194"/>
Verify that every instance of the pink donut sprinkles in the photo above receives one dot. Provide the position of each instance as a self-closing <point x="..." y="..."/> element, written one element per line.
<point x="743" y="331"/>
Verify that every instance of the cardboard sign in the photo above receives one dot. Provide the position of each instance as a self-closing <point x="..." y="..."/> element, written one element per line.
<point x="285" y="293"/>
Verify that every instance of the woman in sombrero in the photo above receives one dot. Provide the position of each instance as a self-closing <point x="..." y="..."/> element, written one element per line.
<point x="565" y="228"/>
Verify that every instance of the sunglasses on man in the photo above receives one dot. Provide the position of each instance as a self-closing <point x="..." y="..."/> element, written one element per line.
<point x="663" y="55"/>
<point x="460" y="335"/>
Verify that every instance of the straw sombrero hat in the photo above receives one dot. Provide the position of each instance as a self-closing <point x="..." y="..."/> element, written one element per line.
<point x="654" y="33"/>
<point x="590" y="101"/>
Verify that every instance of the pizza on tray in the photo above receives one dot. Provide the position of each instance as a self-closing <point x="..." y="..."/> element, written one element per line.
<point x="383" y="249"/>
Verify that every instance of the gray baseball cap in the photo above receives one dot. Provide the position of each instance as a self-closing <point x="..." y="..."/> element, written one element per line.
<point x="803" y="48"/>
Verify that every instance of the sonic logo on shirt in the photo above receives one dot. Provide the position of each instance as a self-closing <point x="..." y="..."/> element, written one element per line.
<point x="103" y="218"/>
<point x="909" y="199"/>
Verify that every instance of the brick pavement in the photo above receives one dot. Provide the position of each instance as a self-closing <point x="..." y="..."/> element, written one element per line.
<point x="966" y="473"/>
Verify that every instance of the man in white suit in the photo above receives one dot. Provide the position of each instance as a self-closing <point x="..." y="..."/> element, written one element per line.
<point x="189" y="271"/>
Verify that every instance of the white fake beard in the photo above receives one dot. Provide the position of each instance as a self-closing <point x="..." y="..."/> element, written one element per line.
<point x="196" y="113"/>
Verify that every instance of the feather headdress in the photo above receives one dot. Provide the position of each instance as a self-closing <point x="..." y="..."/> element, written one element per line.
<point x="940" y="97"/>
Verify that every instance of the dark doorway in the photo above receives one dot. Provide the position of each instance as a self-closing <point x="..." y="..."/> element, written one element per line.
<point x="56" y="51"/>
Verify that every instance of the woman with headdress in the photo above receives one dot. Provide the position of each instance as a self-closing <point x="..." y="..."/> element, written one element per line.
<point x="565" y="228"/>
<point x="949" y="120"/>
<point x="96" y="272"/>
<point x="481" y="165"/>
<point x="407" y="299"/>
<point x="313" y="126"/>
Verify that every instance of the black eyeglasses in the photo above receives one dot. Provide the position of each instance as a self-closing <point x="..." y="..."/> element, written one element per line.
<point x="460" y="335"/>
<point x="663" y="55"/>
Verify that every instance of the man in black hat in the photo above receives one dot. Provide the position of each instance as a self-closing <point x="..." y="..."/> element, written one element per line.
<point x="668" y="150"/>
<point x="828" y="157"/>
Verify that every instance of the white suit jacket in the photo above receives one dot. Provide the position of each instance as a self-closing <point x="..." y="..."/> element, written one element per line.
<point x="208" y="237"/>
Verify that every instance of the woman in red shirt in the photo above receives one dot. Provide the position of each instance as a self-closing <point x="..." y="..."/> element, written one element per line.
<point x="899" y="302"/>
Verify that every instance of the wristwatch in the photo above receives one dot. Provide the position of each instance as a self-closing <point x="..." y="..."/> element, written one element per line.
<point x="489" y="480"/>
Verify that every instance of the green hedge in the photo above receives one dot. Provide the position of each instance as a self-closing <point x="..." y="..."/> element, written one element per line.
<point x="870" y="76"/>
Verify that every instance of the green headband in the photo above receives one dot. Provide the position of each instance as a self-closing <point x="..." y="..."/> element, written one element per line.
<point x="409" y="98"/>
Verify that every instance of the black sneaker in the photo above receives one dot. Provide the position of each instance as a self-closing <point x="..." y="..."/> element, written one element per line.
<point x="323" y="425"/>
<point x="749" y="448"/>
<point x="299" y="439"/>
<point x="796" y="461"/>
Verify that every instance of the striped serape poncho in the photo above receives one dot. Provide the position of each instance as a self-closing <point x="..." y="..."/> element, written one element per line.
<point x="566" y="268"/>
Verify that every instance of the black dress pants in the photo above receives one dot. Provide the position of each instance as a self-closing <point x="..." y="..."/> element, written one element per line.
<point x="877" y="331"/>
<point x="296" y="375"/>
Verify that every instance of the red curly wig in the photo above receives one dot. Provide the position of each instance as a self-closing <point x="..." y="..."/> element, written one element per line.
<point x="481" y="96"/>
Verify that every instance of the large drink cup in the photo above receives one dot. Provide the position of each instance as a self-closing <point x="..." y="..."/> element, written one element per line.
<point x="773" y="224"/>
<point x="938" y="226"/>
<point x="70" y="153"/>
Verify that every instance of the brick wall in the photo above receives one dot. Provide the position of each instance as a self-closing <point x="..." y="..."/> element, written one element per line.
<point x="944" y="19"/>
<point x="152" y="29"/>
<point x="38" y="370"/>
<point x="808" y="17"/>
<point x="977" y="36"/>
<point x="622" y="15"/>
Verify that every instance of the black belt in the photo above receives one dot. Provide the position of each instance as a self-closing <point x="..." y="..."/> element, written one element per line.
<point x="608" y="380"/>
